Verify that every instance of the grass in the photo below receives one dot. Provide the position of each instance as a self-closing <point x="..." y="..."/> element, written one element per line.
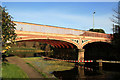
<point x="46" y="67"/>
<point x="12" y="71"/>
<point x="45" y="76"/>
<point x="14" y="52"/>
<point x="21" y="48"/>
<point x="24" y="49"/>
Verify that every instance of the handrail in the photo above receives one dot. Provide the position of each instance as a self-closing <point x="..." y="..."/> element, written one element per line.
<point x="107" y="61"/>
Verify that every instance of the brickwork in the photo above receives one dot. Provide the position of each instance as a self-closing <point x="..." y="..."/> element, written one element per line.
<point x="57" y="36"/>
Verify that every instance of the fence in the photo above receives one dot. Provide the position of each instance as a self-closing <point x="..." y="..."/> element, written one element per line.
<point x="100" y="61"/>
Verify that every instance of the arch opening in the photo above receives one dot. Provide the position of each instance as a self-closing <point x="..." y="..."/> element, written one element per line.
<point x="98" y="50"/>
<point x="61" y="49"/>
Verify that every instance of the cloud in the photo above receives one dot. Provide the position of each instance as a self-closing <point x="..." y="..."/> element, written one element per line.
<point x="82" y="21"/>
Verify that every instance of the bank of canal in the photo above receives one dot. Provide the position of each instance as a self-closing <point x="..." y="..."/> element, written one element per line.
<point x="46" y="67"/>
<point x="63" y="70"/>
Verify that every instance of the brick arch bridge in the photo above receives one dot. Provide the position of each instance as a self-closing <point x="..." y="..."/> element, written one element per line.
<point x="59" y="37"/>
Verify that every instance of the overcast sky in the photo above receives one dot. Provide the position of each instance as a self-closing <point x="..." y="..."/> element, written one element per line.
<point x="77" y="15"/>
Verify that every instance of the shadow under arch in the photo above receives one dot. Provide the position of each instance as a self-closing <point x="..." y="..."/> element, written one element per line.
<point x="98" y="50"/>
<point x="61" y="49"/>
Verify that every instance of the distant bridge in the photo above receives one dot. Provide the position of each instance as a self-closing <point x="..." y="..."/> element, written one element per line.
<point x="59" y="37"/>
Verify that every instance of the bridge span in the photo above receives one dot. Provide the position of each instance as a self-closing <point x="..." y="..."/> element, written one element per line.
<point x="59" y="37"/>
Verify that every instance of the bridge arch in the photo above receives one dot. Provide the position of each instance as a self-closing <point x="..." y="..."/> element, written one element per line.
<point x="55" y="42"/>
<point x="93" y="41"/>
<point x="97" y="50"/>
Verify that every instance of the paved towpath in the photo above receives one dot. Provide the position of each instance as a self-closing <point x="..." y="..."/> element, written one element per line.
<point x="25" y="67"/>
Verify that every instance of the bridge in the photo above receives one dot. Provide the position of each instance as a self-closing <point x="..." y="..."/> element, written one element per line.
<point x="59" y="37"/>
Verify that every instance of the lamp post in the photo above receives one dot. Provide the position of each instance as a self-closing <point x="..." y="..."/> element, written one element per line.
<point x="93" y="19"/>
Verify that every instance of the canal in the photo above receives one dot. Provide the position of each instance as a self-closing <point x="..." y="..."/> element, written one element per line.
<point x="109" y="71"/>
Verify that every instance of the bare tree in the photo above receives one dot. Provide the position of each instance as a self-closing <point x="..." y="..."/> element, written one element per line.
<point x="116" y="30"/>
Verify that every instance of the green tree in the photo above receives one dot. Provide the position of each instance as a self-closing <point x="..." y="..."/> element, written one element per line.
<point x="8" y="31"/>
<point x="8" y="28"/>
<point x="97" y="30"/>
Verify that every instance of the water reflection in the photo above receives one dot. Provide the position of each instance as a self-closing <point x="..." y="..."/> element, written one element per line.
<point x="86" y="73"/>
<point x="71" y="74"/>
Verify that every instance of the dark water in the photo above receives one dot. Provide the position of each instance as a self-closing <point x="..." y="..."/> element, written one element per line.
<point x="107" y="72"/>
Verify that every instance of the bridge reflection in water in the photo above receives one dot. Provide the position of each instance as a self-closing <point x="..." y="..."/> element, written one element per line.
<point x="85" y="73"/>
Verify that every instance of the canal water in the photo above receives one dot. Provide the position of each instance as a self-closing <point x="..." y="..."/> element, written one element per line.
<point x="107" y="72"/>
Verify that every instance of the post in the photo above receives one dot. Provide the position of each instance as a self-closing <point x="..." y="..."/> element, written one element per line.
<point x="81" y="54"/>
<point x="81" y="73"/>
<point x="100" y="62"/>
<point x="100" y="69"/>
<point x="100" y="66"/>
<point x="93" y="19"/>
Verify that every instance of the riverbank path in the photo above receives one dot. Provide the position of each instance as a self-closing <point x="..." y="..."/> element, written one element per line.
<point x="25" y="67"/>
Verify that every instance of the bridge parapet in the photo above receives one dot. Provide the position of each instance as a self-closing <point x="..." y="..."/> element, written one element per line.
<point x="96" y="34"/>
<point x="46" y="28"/>
<point x="57" y="30"/>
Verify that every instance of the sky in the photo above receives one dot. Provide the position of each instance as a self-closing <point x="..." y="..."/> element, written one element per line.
<point x="76" y="15"/>
<point x="59" y="0"/>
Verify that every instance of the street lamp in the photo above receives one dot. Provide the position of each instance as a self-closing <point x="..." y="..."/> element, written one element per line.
<point x="93" y="19"/>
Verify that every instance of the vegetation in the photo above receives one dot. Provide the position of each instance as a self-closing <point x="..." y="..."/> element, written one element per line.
<point x="32" y="44"/>
<point x="26" y="49"/>
<point x="8" y="28"/>
<point x="25" y="52"/>
<point x="116" y="28"/>
<point x="68" y="54"/>
<point x="8" y="32"/>
<point x="97" y="30"/>
<point x="116" y="31"/>
<point x="46" y="67"/>
<point x="12" y="71"/>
